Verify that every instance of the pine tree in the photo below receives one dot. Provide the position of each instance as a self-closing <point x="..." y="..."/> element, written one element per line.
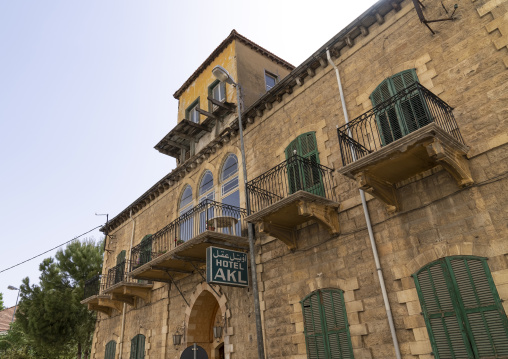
<point x="50" y="314"/>
<point x="2" y="302"/>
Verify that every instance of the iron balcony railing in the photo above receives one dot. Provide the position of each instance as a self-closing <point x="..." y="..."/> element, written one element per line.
<point x="295" y="174"/>
<point x="93" y="287"/>
<point x="118" y="274"/>
<point x="207" y="216"/>
<point x="405" y="112"/>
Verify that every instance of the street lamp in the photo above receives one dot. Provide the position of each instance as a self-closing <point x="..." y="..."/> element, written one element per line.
<point x="223" y="75"/>
<point x="14" y="288"/>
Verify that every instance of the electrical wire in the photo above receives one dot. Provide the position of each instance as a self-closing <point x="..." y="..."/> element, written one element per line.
<point x="49" y="250"/>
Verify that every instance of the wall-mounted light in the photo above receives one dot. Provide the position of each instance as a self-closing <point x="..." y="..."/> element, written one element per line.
<point x="218" y="328"/>
<point x="177" y="336"/>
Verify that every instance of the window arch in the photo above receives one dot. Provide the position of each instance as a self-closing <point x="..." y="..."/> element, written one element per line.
<point x="206" y="187"/>
<point x="404" y="115"/>
<point x="304" y="175"/>
<point x="230" y="191"/>
<point x="186" y="219"/>
<point x="462" y="309"/>
<point x="325" y="325"/>
<point x="138" y="347"/>
<point x="110" y="350"/>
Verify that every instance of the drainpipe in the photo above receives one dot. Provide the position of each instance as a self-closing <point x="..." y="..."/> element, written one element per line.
<point x="125" y="305"/>
<point x="369" y="225"/>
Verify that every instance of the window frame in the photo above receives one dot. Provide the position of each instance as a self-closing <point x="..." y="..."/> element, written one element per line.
<point x="191" y="109"/>
<point x="462" y="326"/>
<point x="275" y="78"/>
<point x="186" y="226"/>
<point x="222" y="88"/>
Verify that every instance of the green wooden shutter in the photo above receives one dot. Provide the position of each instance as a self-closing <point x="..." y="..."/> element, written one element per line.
<point x="440" y="312"/>
<point x="334" y="312"/>
<point x="141" y="347"/>
<point x="462" y="309"/>
<point x="146" y="249"/>
<point x="303" y="176"/>
<point x="325" y="325"/>
<point x="387" y="121"/>
<point x="110" y="350"/>
<point x="120" y="257"/>
<point x="483" y="312"/>
<point x="134" y="347"/>
<point x="120" y="267"/>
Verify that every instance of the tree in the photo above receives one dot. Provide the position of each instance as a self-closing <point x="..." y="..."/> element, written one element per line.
<point x="50" y="314"/>
<point x="2" y="301"/>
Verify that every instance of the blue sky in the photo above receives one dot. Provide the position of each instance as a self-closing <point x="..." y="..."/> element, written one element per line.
<point x="86" y="92"/>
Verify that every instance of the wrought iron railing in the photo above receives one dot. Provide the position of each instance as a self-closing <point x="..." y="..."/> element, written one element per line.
<point x="118" y="274"/>
<point x="207" y="216"/>
<point x="295" y="174"/>
<point x="92" y="287"/>
<point x="410" y="109"/>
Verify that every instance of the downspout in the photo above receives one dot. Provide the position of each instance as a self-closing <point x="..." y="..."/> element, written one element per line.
<point x="124" y="304"/>
<point x="369" y="225"/>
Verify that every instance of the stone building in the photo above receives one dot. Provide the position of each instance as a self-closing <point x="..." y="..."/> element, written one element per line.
<point x="378" y="198"/>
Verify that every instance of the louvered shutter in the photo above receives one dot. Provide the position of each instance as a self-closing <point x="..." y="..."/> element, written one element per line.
<point x="294" y="177"/>
<point x="146" y="249"/>
<point x="484" y="314"/>
<point x="110" y="350"/>
<point x="120" y="257"/>
<point x="387" y="121"/>
<point x="134" y="347"/>
<point x="336" y="324"/>
<point x="141" y="347"/>
<point x="120" y="269"/>
<point x="313" y="326"/>
<point x="440" y="312"/>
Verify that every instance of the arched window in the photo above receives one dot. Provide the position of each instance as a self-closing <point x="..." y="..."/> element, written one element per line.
<point x="304" y="175"/>
<point x="186" y="219"/>
<point x="206" y="187"/>
<point x="110" y="350"/>
<point x="206" y="192"/>
<point x="325" y="325"/>
<point x="138" y="347"/>
<point x="229" y="179"/>
<point x="230" y="192"/>
<point x="403" y="115"/>
<point x="462" y="310"/>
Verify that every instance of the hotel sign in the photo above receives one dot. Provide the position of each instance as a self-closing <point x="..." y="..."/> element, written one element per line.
<point x="227" y="267"/>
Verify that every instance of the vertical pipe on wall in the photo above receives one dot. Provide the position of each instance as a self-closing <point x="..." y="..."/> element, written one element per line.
<point x="125" y="305"/>
<point x="369" y="225"/>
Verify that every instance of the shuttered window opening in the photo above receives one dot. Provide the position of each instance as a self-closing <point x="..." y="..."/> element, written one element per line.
<point x="325" y="325"/>
<point x="138" y="347"/>
<point x="120" y="267"/>
<point x="403" y="116"/>
<point x="110" y="350"/>
<point x="302" y="176"/>
<point x="462" y="309"/>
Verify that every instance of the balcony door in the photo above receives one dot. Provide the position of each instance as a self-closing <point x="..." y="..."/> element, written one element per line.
<point x="405" y="113"/>
<point x="120" y="267"/>
<point x="304" y="174"/>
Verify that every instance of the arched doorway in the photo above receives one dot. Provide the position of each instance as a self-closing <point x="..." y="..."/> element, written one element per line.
<point x="205" y="313"/>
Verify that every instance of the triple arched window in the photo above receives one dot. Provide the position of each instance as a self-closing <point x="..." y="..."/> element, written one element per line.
<point x="462" y="309"/>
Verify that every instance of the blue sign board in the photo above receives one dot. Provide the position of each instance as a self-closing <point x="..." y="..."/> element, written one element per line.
<point x="227" y="267"/>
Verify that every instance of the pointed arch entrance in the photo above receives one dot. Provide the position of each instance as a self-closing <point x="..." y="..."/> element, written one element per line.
<point x="205" y="310"/>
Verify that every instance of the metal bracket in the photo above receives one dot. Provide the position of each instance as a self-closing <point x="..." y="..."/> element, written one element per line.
<point x="202" y="276"/>
<point x="173" y="281"/>
<point x="418" y="7"/>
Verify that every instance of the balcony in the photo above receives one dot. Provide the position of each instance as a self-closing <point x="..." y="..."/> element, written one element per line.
<point x="123" y="288"/>
<point x="95" y="299"/>
<point x="294" y="192"/>
<point x="179" y="248"/>
<point x="401" y="137"/>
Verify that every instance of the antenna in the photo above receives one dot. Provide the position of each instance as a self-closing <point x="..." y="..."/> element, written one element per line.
<point x="418" y="7"/>
<point x="106" y="230"/>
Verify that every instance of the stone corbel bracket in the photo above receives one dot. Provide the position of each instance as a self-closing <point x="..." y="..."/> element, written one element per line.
<point x="379" y="172"/>
<point x="281" y="219"/>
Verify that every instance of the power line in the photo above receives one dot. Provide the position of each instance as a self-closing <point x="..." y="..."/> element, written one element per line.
<point x="49" y="250"/>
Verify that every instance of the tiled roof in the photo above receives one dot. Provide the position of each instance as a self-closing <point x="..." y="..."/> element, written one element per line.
<point x="5" y="318"/>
